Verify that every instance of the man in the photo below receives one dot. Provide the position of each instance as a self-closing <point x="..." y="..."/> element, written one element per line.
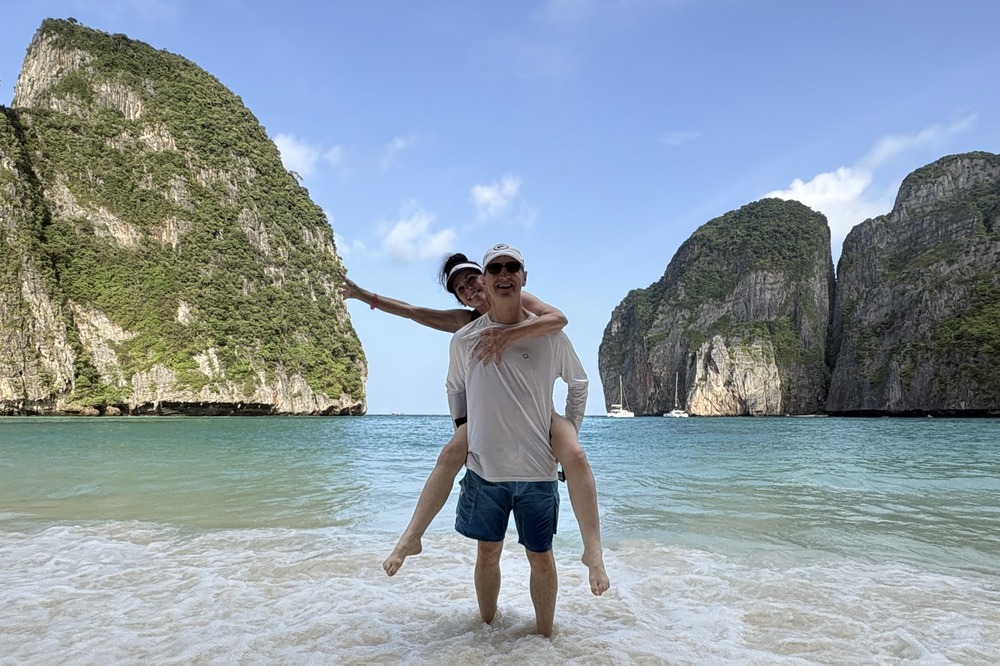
<point x="510" y="466"/>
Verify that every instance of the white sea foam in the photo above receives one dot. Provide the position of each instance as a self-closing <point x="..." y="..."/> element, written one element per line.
<point x="128" y="592"/>
<point x="773" y="541"/>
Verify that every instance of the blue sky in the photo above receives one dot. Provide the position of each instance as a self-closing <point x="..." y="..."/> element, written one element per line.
<point x="596" y="135"/>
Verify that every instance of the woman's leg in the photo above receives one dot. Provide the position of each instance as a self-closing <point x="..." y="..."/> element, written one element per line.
<point x="583" y="496"/>
<point x="436" y="490"/>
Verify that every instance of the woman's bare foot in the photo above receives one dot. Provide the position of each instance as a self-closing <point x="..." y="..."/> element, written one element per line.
<point x="599" y="581"/>
<point x="404" y="548"/>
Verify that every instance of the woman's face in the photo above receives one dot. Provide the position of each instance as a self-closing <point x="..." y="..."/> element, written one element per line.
<point x="468" y="288"/>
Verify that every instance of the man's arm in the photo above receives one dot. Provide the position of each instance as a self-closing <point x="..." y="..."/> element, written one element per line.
<point x="576" y="402"/>
<point x="571" y="371"/>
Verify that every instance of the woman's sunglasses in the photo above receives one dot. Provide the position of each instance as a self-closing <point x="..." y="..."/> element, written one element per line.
<point x="511" y="266"/>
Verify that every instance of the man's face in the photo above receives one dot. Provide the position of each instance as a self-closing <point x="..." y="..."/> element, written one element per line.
<point x="504" y="283"/>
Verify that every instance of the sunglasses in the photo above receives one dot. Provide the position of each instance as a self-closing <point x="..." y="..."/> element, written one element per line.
<point x="511" y="266"/>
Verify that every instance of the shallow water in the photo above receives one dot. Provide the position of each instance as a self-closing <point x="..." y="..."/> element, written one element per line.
<point x="260" y="540"/>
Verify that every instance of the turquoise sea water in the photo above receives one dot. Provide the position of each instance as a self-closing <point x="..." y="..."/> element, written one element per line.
<point x="260" y="540"/>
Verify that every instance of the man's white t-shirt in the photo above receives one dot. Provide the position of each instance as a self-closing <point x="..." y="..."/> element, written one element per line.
<point x="509" y="405"/>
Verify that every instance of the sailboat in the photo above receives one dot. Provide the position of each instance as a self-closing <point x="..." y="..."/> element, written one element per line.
<point x="676" y="412"/>
<point x="618" y="409"/>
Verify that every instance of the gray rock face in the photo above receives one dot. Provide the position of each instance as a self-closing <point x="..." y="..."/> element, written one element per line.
<point x="743" y="380"/>
<point x="916" y="327"/>
<point x="738" y="321"/>
<point x="155" y="255"/>
<point x="740" y="316"/>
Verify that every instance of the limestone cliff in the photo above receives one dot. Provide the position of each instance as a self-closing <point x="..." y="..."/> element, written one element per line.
<point x="738" y="321"/>
<point x="916" y="328"/>
<point x="155" y="255"/>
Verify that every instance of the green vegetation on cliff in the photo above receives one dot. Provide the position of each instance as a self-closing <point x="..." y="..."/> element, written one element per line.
<point x="767" y="235"/>
<point x="920" y="292"/>
<point x="760" y="274"/>
<point x="168" y="210"/>
<point x="979" y="201"/>
<point x="772" y="236"/>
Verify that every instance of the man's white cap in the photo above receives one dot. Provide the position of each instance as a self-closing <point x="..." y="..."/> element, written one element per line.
<point x="502" y="250"/>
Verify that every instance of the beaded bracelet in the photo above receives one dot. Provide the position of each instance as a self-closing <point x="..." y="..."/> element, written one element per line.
<point x="374" y="301"/>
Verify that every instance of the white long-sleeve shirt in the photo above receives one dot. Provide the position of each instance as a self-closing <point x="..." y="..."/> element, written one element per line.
<point x="509" y="406"/>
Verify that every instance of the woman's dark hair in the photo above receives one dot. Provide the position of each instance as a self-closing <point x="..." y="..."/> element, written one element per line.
<point x="449" y="263"/>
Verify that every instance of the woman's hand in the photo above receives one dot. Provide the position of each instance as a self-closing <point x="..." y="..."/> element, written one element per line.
<point x="491" y="344"/>
<point x="350" y="290"/>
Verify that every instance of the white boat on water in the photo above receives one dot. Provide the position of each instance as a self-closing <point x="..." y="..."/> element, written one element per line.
<point x="619" y="410"/>
<point x="676" y="412"/>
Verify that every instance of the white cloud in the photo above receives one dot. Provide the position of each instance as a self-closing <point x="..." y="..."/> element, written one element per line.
<point x="335" y="155"/>
<point x="568" y="11"/>
<point x="297" y="155"/>
<point x="561" y="36"/>
<point x="844" y="196"/>
<point x="849" y="195"/>
<point x="347" y="248"/>
<point x="601" y="15"/>
<point x="410" y="239"/>
<point x="392" y="151"/>
<point x="338" y="158"/>
<point x="890" y="146"/>
<point x="844" y="184"/>
<point x="551" y="44"/>
<point x="491" y="201"/>
<point x="678" y="138"/>
<point x="150" y="11"/>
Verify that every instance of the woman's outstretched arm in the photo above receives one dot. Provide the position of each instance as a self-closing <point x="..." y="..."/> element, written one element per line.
<point x="448" y="321"/>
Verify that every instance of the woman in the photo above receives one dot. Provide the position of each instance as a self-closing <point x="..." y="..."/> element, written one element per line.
<point x="463" y="278"/>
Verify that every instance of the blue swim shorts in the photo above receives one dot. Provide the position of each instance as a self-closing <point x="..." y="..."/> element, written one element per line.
<point x="484" y="510"/>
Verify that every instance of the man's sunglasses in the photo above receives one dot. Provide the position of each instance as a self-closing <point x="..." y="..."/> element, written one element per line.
<point x="511" y="266"/>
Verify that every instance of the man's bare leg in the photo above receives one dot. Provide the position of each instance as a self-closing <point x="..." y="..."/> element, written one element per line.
<point x="583" y="496"/>
<point x="488" y="578"/>
<point x="435" y="493"/>
<point x="544" y="588"/>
